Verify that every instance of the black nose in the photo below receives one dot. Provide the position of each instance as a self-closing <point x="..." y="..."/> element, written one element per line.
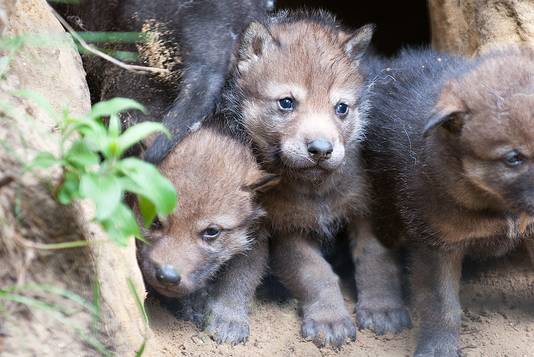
<point x="167" y="275"/>
<point x="320" y="149"/>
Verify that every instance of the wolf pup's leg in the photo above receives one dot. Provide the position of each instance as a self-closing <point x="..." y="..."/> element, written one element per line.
<point x="436" y="285"/>
<point x="227" y="309"/>
<point x="380" y="305"/>
<point x="202" y="79"/>
<point x="299" y="264"/>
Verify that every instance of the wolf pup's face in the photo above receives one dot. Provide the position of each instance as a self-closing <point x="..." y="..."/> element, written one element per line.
<point x="300" y="87"/>
<point x="489" y="116"/>
<point x="216" y="179"/>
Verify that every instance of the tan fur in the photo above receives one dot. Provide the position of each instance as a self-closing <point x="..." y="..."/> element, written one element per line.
<point x="313" y="67"/>
<point x="307" y="61"/>
<point x="211" y="174"/>
<point x="215" y="275"/>
<point x="315" y="64"/>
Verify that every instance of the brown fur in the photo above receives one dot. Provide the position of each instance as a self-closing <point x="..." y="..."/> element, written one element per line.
<point x="441" y="175"/>
<point x="492" y="121"/>
<point x="311" y="60"/>
<point x="490" y="205"/>
<point x="216" y="178"/>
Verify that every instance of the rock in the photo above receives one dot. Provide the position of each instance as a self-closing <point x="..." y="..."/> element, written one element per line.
<point x="28" y="212"/>
<point x="470" y="26"/>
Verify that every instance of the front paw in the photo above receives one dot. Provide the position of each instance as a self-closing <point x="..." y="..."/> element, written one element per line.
<point x="383" y="320"/>
<point x="227" y="326"/>
<point x="326" y="329"/>
<point x="189" y="312"/>
<point x="443" y="345"/>
<point x="192" y="308"/>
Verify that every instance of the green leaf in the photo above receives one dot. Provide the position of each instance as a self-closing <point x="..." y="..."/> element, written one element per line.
<point x="111" y="149"/>
<point x="69" y="190"/>
<point x="81" y="156"/>
<point x="99" y="143"/>
<point x="86" y="126"/>
<point x="114" y="126"/>
<point x="112" y="107"/>
<point x="148" y="182"/>
<point x="138" y="132"/>
<point x="147" y="209"/>
<point x="43" y="160"/>
<point x="104" y="190"/>
<point x="121" y="225"/>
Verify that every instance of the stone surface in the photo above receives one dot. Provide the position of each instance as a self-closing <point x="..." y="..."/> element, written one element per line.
<point x="30" y="217"/>
<point x="470" y="26"/>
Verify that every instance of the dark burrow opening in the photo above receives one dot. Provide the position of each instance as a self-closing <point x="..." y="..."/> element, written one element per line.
<point x="398" y="23"/>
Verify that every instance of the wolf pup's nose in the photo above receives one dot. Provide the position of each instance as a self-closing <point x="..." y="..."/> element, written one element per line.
<point x="320" y="149"/>
<point x="167" y="275"/>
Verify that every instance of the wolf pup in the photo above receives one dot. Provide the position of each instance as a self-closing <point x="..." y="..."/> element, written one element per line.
<point x="194" y="40"/>
<point x="297" y="93"/>
<point x="209" y="246"/>
<point x="450" y="149"/>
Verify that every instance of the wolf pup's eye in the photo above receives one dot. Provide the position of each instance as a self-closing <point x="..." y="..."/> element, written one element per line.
<point x="342" y="110"/>
<point x="211" y="233"/>
<point x="513" y="158"/>
<point x="156" y="225"/>
<point x="286" y="104"/>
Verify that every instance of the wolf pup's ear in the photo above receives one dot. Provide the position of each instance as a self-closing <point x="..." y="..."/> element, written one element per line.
<point x="358" y="42"/>
<point x="450" y="113"/>
<point x="256" y="41"/>
<point x="451" y="120"/>
<point x="262" y="182"/>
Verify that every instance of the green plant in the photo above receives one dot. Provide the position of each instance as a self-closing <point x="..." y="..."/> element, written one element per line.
<point x="90" y="156"/>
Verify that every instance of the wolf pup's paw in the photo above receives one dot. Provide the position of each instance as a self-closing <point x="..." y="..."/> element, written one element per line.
<point x="445" y="345"/>
<point x="381" y="321"/>
<point x="226" y="326"/>
<point x="325" y="329"/>
<point x="192" y="308"/>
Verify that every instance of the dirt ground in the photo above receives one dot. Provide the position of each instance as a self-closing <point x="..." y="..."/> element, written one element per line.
<point x="498" y="320"/>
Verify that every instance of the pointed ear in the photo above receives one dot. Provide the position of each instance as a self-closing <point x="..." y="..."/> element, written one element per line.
<point x="450" y="113"/>
<point x="448" y="119"/>
<point x="262" y="182"/>
<point x="256" y="41"/>
<point x="358" y="42"/>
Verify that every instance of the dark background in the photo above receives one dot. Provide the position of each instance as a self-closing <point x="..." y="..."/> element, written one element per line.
<point x="399" y="23"/>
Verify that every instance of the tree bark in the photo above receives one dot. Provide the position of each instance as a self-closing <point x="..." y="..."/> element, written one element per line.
<point x="473" y="26"/>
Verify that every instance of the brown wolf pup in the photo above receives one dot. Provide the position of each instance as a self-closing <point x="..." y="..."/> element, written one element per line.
<point x="209" y="246"/>
<point x="297" y="92"/>
<point x="450" y="150"/>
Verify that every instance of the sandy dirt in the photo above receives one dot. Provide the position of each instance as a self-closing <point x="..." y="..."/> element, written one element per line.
<point x="498" y="320"/>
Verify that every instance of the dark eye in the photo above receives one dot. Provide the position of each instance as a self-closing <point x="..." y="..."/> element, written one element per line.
<point x="514" y="158"/>
<point x="342" y="109"/>
<point x="286" y="104"/>
<point x="211" y="233"/>
<point x="156" y="225"/>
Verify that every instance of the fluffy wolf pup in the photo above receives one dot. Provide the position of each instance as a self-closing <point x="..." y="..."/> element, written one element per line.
<point x="450" y="150"/>
<point x="298" y="94"/>
<point x="208" y="254"/>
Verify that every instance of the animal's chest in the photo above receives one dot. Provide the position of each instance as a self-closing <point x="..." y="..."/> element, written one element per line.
<point x="289" y="211"/>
